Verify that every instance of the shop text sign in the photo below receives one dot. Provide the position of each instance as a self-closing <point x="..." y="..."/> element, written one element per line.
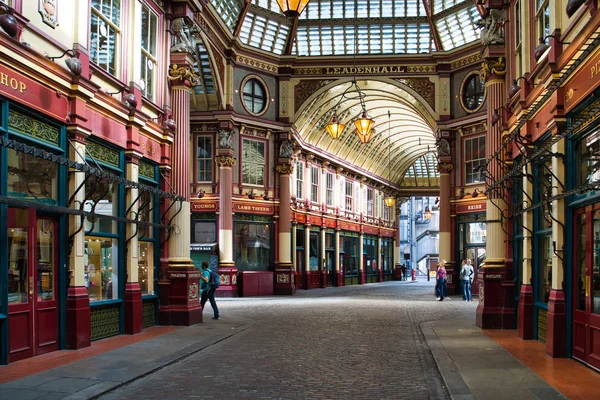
<point x="30" y="93"/>
<point x="204" y="207"/>
<point x="586" y="80"/>
<point x="253" y="208"/>
<point x="469" y="208"/>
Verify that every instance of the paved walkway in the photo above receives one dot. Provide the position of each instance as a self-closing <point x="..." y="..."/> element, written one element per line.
<point x="377" y="341"/>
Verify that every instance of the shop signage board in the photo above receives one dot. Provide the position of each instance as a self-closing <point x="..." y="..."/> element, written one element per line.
<point x="470" y="208"/>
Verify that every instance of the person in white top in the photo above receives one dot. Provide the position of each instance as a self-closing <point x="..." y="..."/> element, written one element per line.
<point x="466" y="276"/>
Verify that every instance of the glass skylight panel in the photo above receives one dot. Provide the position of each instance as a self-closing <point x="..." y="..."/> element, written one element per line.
<point x="458" y="29"/>
<point x="441" y="5"/>
<point x="260" y="32"/>
<point x="339" y="9"/>
<point x="268" y="4"/>
<point x="229" y="11"/>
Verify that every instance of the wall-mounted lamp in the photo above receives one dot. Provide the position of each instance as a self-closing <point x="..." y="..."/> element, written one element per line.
<point x="496" y="116"/>
<point x="543" y="48"/>
<point x="250" y="194"/>
<point x="573" y="5"/>
<point x="516" y="88"/>
<point x="168" y="122"/>
<point x="129" y="98"/>
<point x="475" y="193"/>
<point x="73" y="63"/>
<point x="8" y="22"/>
<point x="427" y="213"/>
<point x="265" y="196"/>
<point x="201" y="193"/>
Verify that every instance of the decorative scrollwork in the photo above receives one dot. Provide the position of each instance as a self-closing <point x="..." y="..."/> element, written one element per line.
<point x="445" y="167"/>
<point x="225" y="161"/>
<point x="285" y="169"/>
<point x="183" y="73"/>
<point x="491" y="66"/>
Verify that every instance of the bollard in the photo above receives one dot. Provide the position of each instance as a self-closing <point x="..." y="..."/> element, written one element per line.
<point x="414" y="275"/>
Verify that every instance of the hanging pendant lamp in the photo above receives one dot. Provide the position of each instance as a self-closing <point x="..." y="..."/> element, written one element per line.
<point x="389" y="200"/>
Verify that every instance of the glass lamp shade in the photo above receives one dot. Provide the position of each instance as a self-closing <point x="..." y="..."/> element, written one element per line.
<point x="292" y="8"/>
<point x="427" y="213"/>
<point x="364" y="128"/>
<point x="389" y="201"/>
<point x="335" y="128"/>
<point x="540" y="50"/>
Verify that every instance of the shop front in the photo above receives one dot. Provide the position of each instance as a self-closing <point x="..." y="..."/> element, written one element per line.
<point x="471" y="231"/>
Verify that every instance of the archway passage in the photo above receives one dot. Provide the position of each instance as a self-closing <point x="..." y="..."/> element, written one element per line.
<point x="403" y="127"/>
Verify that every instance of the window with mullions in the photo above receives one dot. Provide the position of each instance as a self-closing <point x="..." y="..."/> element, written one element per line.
<point x="252" y="244"/>
<point x="543" y="228"/>
<point x="370" y="202"/>
<point x="542" y="19"/>
<point x="458" y="28"/>
<point x="149" y="29"/>
<point x="370" y="255"/>
<point x="589" y="159"/>
<point x="518" y="39"/>
<point x="339" y="9"/>
<point x="387" y="256"/>
<point x="229" y="11"/>
<point x="474" y="158"/>
<point x="349" y="194"/>
<point x="350" y="256"/>
<point x="253" y="162"/>
<point x="473" y="93"/>
<point x="329" y="189"/>
<point x="105" y="34"/>
<point x="315" y="250"/>
<point x="299" y="180"/>
<point x="254" y="96"/>
<point x="204" y="157"/>
<point x="314" y="184"/>
<point x="147" y="212"/>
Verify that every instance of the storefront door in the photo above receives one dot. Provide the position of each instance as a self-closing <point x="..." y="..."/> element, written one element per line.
<point x="586" y="286"/>
<point x="32" y="283"/>
<point x="477" y="257"/>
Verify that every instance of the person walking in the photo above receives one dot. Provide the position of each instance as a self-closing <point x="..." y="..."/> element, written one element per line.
<point x="466" y="276"/>
<point x="209" y="285"/>
<point x="403" y="269"/>
<point x="441" y="281"/>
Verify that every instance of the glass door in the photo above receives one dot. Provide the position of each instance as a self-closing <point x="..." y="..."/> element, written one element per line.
<point x="32" y="282"/>
<point x="477" y="257"/>
<point x="586" y="286"/>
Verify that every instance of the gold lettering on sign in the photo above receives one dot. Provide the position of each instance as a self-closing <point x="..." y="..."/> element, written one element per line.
<point x="253" y="208"/>
<point x="475" y="207"/>
<point x="148" y="147"/>
<point x="386" y="69"/>
<point x="595" y="69"/>
<point x="569" y="95"/>
<point x="12" y="83"/>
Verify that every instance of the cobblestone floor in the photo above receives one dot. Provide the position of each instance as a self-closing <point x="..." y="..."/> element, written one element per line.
<point x="360" y="342"/>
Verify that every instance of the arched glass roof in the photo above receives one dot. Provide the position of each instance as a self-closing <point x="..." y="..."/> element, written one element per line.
<point x="332" y="27"/>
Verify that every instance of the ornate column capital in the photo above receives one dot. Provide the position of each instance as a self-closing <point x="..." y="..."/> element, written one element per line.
<point x="445" y="167"/>
<point x="183" y="75"/>
<point x="493" y="67"/>
<point x="285" y="169"/>
<point x="225" y="161"/>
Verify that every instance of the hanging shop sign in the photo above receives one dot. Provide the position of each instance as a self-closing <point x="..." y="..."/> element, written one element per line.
<point x="253" y="208"/>
<point x="584" y="82"/>
<point x="204" y="206"/>
<point x="26" y="91"/>
<point x="470" y="208"/>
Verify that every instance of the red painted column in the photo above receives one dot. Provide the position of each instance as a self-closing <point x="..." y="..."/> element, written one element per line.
<point x="184" y="300"/>
<point x="492" y="274"/>
<point x="284" y="269"/>
<point x="445" y="167"/>
<point x="132" y="301"/>
<point x="227" y="270"/>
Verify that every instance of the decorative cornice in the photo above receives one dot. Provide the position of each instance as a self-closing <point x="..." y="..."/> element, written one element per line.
<point x="257" y="64"/>
<point x="465" y="61"/>
<point x="225" y="161"/>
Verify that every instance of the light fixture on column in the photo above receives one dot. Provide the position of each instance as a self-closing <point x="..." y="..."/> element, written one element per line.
<point x="129" y="98"/>
<point x="427" y="213"/>
<point x="8" y="22"/>
<point x="389" y="200"/>
<point x="496" y="116"/>
<point x="292" y="8"/>
<point x="543" y="48"/>
<point x="364" y="123"/>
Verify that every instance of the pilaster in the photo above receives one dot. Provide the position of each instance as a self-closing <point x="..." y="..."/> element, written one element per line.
<point x="132" y="301"/>
<point x="284" y="271"/>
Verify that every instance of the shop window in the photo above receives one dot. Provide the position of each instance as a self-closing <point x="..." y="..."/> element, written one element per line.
<point x="475" y="233"/>
<point x="32" y="178"/>
<point x="204" y="156"/>
<point x="149" y="29"/>
<point x="105" y="34"/>
<point x="589" y="160"/>
<point x="253" y="246"/>
<point x="146" y="267"/>
<point x="314" y="184"/>
<point x="350" y="260"/>
<point x="581" y="260"/>
<point x="329" y="189"/>
<point x="349" y="194"/>
<point x="474" y="159"/>
<point x="102" y="198"/>
<point x="299" y="180"/>
<point x="370" y="253"/>
<point x="253" y="162"/>
<point x="472" y="92"/>
<point x="518" y="40"/>
<point x="101" y="272"/>
<point x="254" y="95"/>
<point x="545" y="267"/>
<point x="315" y="250"/>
